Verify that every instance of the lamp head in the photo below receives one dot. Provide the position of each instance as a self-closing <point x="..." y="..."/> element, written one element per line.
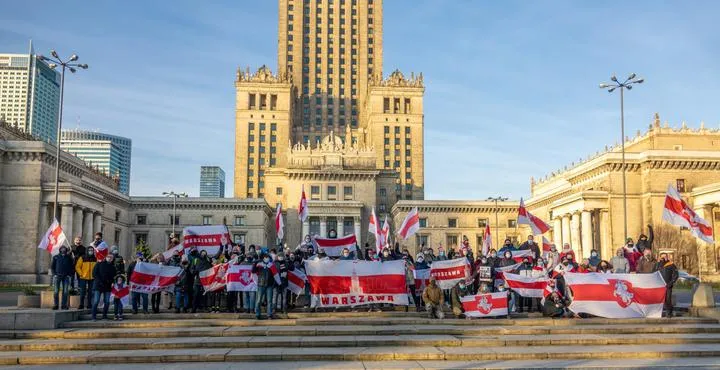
<point x="629" y="87"/>
<point x="632" y="75"/>
<point x="52" y="65"/>
<point x="640" y="81"/>
<point x="73" y="70"/>
<point x="83" y="66"/>
<point x="604" y="85"/>
<point x="54" y="53"/>
<point x="611" y="90"/>
<point x="73" y="57"/>
<point x="613" y="78"/>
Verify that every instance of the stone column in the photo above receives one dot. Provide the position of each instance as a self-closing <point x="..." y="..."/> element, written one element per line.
<point x="575" y="242"/>
<point x="606" y="248"/>
<point x="557" y="232"/>
<point x="340" y="226"/>
<point x="78" y="222"/>
<point x="66" y="220"/>
<point x="97" y="223"/>
<point x="565" y="231"/>
<point x="305" y="229"/>
<point x="323" y="227"/>
<point x="87" y="227"/>
<point x="586" y="233"/>
<point x="356" y="223"/>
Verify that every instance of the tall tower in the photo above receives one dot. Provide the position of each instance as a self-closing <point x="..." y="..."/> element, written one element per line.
<point x="331" y="48"/>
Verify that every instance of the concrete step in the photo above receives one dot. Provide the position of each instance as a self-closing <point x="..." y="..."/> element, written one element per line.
<point x="440" y="328"/>
<point x="385" y="353"/>
<point x="351" y="341"/>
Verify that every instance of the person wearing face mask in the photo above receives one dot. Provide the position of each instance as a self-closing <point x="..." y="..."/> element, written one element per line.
<point x="429" y="255"/>
<point x="84" y="268"/>
<point x="645" y="241"/>
<point x="386" y="256"/>
<point x="553" y="257"/>
<point x="441" y="255"/>
<point x="410" y="280"/>
<point x="249" y="297"/>
<point x="567" y="251"/>
<point x="62" y="268"/>
<point x="507" y="246"/>
<point x="525" y="269"/>
<point x="346" y="255"/>
<point x="77" y="250"/>
<point x="594" y="259"/>
<point x="265" y="285"/>
<point x="604" y="267"/>
<point x="135" y="297"/>
<point x="433" y="297"/>
<point x="201" y="263"/>
<point x="456" y="293"/>
<point x="620" y="264"/>
<point x="584" y="266"/>
<point x="281" y="292"/>
<point x="632" y="254"/>
<point x="647" y="263"/>
<point x="118" y="260"/>
<point x="104" y="274"/>
<point x="493" y="259"/>
<point x="118" y="285"/>
<point x="182" y="299"/>
<point x="531" y="246"/>
<point x="670" y="274"/>
<point x="482" y="279"/>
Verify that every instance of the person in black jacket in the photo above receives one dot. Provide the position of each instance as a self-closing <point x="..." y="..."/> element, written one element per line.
<point x="669" y="272"/>
<point x="265" y="270"/>
<point x="104" y="274"/>
<point x="201" y="263"/>
<point x="135" y="297"/>
<point x="645" y="241"/>
<point x="532" y="246"/>
<point x="62" y="268"/>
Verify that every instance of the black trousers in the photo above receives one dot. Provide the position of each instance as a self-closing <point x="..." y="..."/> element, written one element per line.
<point x="668" y="306"/>
<point x="155" y="302"/>
<point x="198" y="298"/>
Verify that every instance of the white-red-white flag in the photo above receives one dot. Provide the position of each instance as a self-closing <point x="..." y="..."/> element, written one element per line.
<point x="334" y="247"/>
<point x="487" y="240"/>
<point x="679" y="213"/>
<point x="53" y="239"/>
<point x="296" y="281"/>
<point x="101" y="251"/>
<point x="447" y="273"/>
<point x="526" y="286"/>
<point x="485" y="305"/>
<point x="279" y="225"/>
<point x="537" y="225"/>
<point x="500" y="271"/>
<point x="374" y="228"/>
<point x="546" y="246"/>
<point x="422" y="279"/>
<point x="410" y="225"/>
<point x="273" y="269"/>
<point x="214" y="278"/>
<point x="153" y="278"/>
<point x="123" y="294"/>
<point x="209" y="238"/>
<point x="241" y="279"/>
<point x="386" y="233"/>
<point x="617" y="296"/>
<point x="302" y="207"/>
<point x="355" y="283"/>
<point x="180" y="249"/>
<point x="519" y="254"/>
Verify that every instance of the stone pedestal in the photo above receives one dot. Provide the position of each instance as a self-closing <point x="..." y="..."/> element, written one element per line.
<point x="703" y="296"/>
<point x="28" y="301"/>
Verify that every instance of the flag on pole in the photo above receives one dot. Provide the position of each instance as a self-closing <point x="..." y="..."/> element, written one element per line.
<point x="487" y="240"/>
<point x="296" y="281"/>
<point x="302" y="208"/>
<point x="524" y="217"/>
<point x="385" y="233"/>
<point x="374" y="228"/>
<point x="679" y="213"/>
<point x="279" y="225"/>
<point x="546" y="246"/>
<point x="334" y="247"/>
<point x="410" y="225"/>
<point x="53" y="239"/>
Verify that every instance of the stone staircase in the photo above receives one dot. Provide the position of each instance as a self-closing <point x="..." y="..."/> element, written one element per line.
<point x="368" y="340"/>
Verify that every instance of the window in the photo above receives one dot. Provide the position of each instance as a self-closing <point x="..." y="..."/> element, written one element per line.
<point x="421" y="240"/>
<point x="451" y="240"/>
<point x="423" y="222"/>
<point x="348" y="192"/>
<point x="117" y="236"/>
<point x="332" y="192"/>
<point x="386" y="106"/>
<point x="382" y="207"/>
<point x="512" y="224"/>
<point x="278" y="191"/>
<point x="239" y="221"/>
<point x="482" y="222"/>
<point x="315" y="192"/>
<point x="251" y="102"/>
<point x="680" y="184"/>
<point x="239" y="238"/>
<point x="141" y="219"/>
<point x="177" y="219"/>
<point x="452" y="222"/>
<point x="207" y="220"/>
<point x="117" y="215"/>
<point x="141" y="238"/>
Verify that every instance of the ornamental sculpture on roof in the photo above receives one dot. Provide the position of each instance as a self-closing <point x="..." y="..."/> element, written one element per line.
<point x="333" y="152"/>
<point x="397" y="79"/>
<point x="263" y="74"/>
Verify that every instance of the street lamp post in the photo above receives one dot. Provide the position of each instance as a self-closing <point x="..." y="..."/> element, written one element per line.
<point x="627" y="84"/>
<point x="174" y="195"/>
<point x="55" y="61"/>
<point x="497" y="223"/>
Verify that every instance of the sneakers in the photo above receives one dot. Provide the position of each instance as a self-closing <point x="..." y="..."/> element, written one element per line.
<point x="81" y="307"/>
<point x="54" y="308"/>
<point x="116" y="318"/>
<point x="120" y="318"/>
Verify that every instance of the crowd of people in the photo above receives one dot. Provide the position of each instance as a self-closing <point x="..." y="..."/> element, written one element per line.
<point x="78" y="266"/>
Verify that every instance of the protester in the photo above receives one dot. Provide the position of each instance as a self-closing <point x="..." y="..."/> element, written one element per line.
<point x="584" y="266"/>
<point x="620" y="264"/>
<point x="433" y="297"/>
<point x="117" y="302"/>
<point x="632" y="254"/>
<point x="553" y="257"/>
<point x="281" y="292"/>
<point x="670" y="274"/>
<point x="183" y="288"/>
<point x="265" y="285"/>
<point x="249" y="297"/>
<point x="644" y="241"/>
<point x="201" y="262"/>
<point x="567" y="251"/>
<point x="594" y="259"/>
<point x="647" y="264"/>
<point x="136" y="297"/>
<point x="84" y="269"/>
<point x="555" y="306"/>
<point x="507" y="246"/>
<point x="62" y="268"/>
<point x="104" y="274"/>
<point x="531" y="246"/>
<point x="457" y="292"/>
<point x="155" y="297"/>
<point x="77" y="250"/>
<point x="118" y="261"/>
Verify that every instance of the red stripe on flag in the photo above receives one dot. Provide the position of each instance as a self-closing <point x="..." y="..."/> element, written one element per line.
<point x="294" y="279"/>
<point x="602" y="292"/>
<point x="142" y="278"/>
<point x="524" y="285"/>
<point x="382" y="284"/>
<point x="350" y="239"/>
<point x="330" y="284"/>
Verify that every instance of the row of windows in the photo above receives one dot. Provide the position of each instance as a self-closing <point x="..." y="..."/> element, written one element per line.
<point x="481" y="222"/>
<point x="331" y="192"/>
<point x="263" y="101"/>
<point x="206" y="220"/>
<point x="251" y="126"/>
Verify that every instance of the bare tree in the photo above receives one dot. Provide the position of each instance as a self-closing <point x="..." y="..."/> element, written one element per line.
<point x="684" y="246"/>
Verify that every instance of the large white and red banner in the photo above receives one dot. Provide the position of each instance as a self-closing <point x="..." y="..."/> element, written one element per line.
<point x="334" y="247"/>
<point x="410" y="225"/>
<point x="296" y="281"/>
<point x="153" y="278"/>
<point x="208" y="238"/>
<point x="617" y="296"/>
<point x="355" y="283"/>
<point x="537" y="225"/>
<point x="53" y="239"/>
<point x="241" y="279"/>
<point x="448" y="273"/>
<point x="679" y="213"/>
<point x="123" y="294"/>
<point x="214" y="278"/>
<point x="422" y="279"/>
<point x="527" y="286"/>
<point x="485" y="305"/>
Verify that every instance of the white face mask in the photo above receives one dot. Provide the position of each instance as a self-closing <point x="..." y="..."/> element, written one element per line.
<point x="346" y="254"/>
<point x="386" y="254"/>
<point x="266" y="260"/>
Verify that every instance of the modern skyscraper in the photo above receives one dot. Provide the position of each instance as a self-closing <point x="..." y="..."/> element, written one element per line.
<point x="30" y="94"/>
<point x="110" y="153"/>
<point x="212" y="182"/>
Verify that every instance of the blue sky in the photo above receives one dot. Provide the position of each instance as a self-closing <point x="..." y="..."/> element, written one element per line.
<point x="511" y="86"/>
